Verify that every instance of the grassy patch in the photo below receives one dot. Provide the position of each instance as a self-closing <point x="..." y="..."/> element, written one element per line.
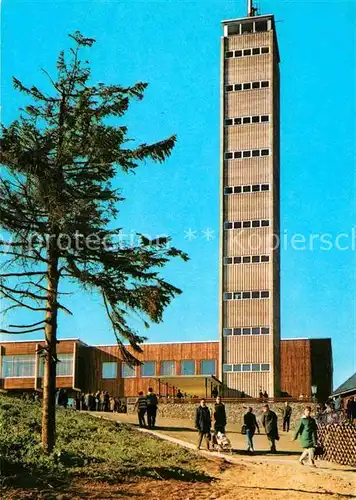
<point x="87" y="448"/>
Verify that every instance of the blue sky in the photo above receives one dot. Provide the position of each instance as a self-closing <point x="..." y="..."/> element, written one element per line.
<point x="174" y="46"/>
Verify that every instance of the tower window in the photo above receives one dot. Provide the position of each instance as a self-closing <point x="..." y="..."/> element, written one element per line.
<point x="246" y="189"/>
<point x="264" y="50"/>
<point x="228" y="225"/>
<point x="246" y="223"/>
<point x="246" y="259"/>
<point x="246" y="119"/>
<point x="256" y="367"/>
<point x="247" y="86"/>
<point x="228" y="190"/>
<point x="236" y="368"/>
<point x="238" y="86"/>
<point x="265" y="331"/>
<point x="229" y="54"/>
<point x="265" y="83"/>
<point x="237" y="260"/>
<point x="227" y="332"/>
<point x="227" y="368"/>
<point x="245" y="295"/>
<point x="228" y="156"/>
<point x="255" y="331"/>
<point x="256" y="187"/>
<point x="237" y="189"/>
<point x="237" y="121"/>
<point x="246" y="367"/>
<point x="264" y="258"/>
<point x="246" y="331"/>
<point x="264" y="118"/>
<point x="264" y="152"/>
<point x="264" y="223"/>
<point x="238" y="154"/>
<point x="246" y="154"/>
<point x="229" y="121"/>
<point x="256" y="51"/>
<point x="238" y="53"/>
<point x="247" y="27"/>
<point x="255" y="223"/>
<point x="247" y="52"/>
<point x="261" y="26"/>
<point x="265" y="367"/>
<point x="255" y="259"/>
<point x="229" y="88"/>
<point x="265" y="187"/>
<point x="255" y="119"/>
<point x="237" y="224"/>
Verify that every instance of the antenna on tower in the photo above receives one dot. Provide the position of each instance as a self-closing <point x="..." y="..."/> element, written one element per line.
<point x="251" y="10"/>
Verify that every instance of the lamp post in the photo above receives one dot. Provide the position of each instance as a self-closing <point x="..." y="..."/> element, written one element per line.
<point x="314" y="390"/>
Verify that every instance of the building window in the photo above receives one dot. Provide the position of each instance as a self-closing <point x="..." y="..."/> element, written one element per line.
<point x="148" y="369"/>
<point x="207" y="367"/>
<point x="188" y="367"/>
<point x="246" y="367"/>
<point x="237" y="87"/>
<point x="64" y="366"/>
<point x="128" y="371"/>
<point x="264" y="294"/>
<point x="265" y="367"/>
<point x="246" y="224"/>
<point x="243" y="120"/>
<point x="109" y="370"/>
<point x="254" y="51"/>
<point x="247" y="330"/>
<point x="168" y="368"/>
<point x="18" y="366"/>
<point x="261" y="26"/>
<point x="237" y="155"/>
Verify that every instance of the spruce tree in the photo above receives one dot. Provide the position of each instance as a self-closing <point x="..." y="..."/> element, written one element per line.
<point x="58" y="207"/>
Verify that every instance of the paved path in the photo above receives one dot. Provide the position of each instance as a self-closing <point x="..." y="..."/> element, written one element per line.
<point x="181" y="431"/>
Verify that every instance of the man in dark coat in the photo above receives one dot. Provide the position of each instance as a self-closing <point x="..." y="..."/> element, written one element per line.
<point x="152" y="403"/>
<point x="269" y="422"/>
<point x="251" y="426"/>
<point x="203" y="423"/>
<point x="219" y="416"/>
<point x="287" y="412"/>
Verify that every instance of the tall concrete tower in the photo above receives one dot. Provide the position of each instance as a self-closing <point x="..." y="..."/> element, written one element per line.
<point x="249" y="201"/>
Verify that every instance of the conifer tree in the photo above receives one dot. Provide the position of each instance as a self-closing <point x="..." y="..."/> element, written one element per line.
<point x="58" y="207"/>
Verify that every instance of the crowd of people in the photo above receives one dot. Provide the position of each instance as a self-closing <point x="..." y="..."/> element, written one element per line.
<point x="90" y="401"/>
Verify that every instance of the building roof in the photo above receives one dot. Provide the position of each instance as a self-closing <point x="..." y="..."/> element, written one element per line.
<point x="348" y="386"/>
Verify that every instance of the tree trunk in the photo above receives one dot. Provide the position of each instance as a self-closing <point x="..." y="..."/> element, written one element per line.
<point x="49" y="377"/>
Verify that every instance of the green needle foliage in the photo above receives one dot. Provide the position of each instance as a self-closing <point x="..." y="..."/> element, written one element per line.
<point x="58" y="205"/>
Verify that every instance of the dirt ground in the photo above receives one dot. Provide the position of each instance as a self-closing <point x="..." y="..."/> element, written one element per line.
<point x="244" y="481"/>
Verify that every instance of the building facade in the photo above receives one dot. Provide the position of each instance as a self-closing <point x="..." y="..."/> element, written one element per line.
<point x="190" y="366"/>
<point x="249" y="200"/>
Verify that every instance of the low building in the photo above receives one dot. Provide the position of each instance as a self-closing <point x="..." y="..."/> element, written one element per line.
<point x="347" y="390"/>
<point x="190" y="366"/>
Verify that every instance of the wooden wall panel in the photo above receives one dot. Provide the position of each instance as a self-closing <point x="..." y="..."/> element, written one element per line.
<point x="248" y="206"/>
<point x="248" y="171"/>
<point x="296" y="367"/>
<point x="247" y="277"/>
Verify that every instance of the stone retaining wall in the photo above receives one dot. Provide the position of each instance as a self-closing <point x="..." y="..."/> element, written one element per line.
<point x="234" y="411"/>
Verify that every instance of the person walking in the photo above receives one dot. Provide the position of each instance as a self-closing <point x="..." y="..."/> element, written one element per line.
<point x="251" y="424"/>
<point x="287" y="412"/>
<point x="141" y="406"/>
<point x="307" y="430"/>
<point x="152" y="403"/>
<point x="270" y="423"/>
<point x="179" y="394"/>
<point x="219" y="416"/>
<point x="203" y="423"/>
